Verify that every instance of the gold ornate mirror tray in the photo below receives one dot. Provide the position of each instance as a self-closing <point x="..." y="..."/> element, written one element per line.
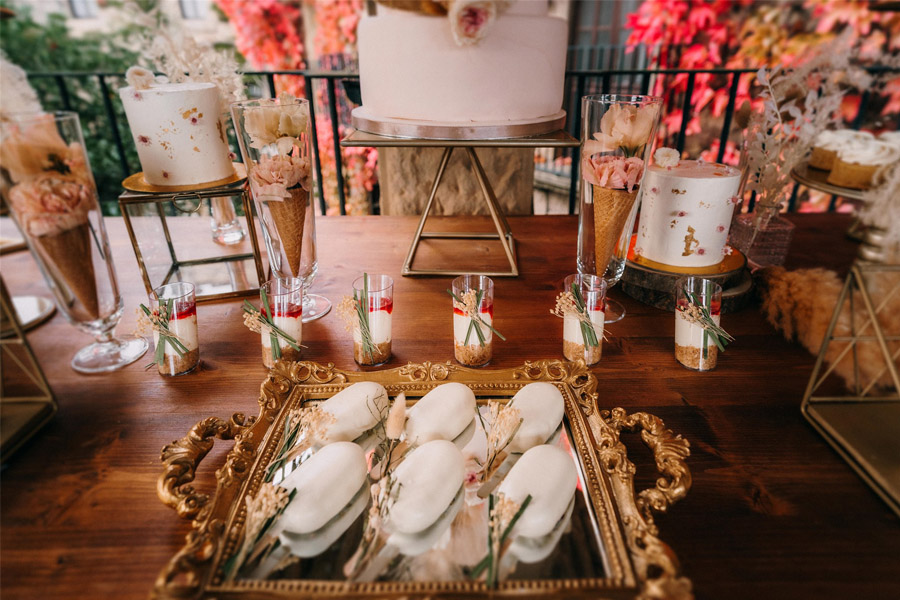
<point x="604" y="544"/>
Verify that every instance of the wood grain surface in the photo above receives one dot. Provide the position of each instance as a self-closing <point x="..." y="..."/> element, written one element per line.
<point x="773" y="510"/>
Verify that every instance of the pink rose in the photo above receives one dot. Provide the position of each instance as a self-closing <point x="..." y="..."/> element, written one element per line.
<point x="273" y="176"/>
<point x="614" y="172"/>
<point x="52" y="203"/>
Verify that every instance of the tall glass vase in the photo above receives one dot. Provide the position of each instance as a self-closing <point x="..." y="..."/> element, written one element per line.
<point x="617" y="132"/>
<point x="53" y="199"/>
<point x="274" y="137"/>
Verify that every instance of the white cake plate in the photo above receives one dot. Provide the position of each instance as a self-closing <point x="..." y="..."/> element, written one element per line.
<point x="363" y="120"/>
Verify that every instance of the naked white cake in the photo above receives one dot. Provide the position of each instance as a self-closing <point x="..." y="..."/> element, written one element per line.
<point x="686" y="212"/>
<point x="509" y="69"/>
<point x="178" y="133"/>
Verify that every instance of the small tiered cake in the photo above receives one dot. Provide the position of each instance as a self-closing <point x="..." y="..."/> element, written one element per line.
<point x="178" y="133"/>
<point x="476" y="64"/>
<point x="686" y="212"/>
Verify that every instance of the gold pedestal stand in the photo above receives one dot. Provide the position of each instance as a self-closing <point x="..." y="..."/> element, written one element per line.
<point x="556" y="139"/>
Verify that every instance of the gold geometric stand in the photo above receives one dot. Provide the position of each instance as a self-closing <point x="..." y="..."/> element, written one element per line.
<point x="504" y="234"/>
<point x="26" y="401"/>
<point x="465" y="139"/>
<point x="863" y="428"/>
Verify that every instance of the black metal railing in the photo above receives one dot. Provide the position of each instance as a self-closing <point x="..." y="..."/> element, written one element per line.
<point x="338" y="105"/>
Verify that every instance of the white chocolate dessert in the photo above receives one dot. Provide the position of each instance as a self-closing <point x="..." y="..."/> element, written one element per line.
<point x="178" y="132"/>
<point x="541" y="407"/>
<point x="444" y="413"/>
<point x="185" y="329"/>
<point x="548" y="475"/>
<point x="426" y="482"/>
<point x="411" y="67"/>
<point x="331" y="492"/>
<point x="379" y="327"/>
<point x="574" y="344"/>
<point x="293" y="326"/>
<point x="686" y="213"/>
<point x="356" y="409"/>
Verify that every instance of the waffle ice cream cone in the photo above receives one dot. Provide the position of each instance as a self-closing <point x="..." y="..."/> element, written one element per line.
<point x="289" y="216"/>
<point x="68" y="253"/>
<point x="611" y="210"/>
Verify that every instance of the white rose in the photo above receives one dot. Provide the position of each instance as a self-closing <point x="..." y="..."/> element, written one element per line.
<point x="261" y="124"/>
<point x="666" y="157"/>
<point x="139" y="78"/>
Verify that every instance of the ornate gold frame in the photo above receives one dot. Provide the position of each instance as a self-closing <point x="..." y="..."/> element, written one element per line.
<point x="639" y="564"/>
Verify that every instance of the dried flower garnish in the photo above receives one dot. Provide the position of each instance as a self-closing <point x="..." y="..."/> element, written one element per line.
<point x="505" y="421"/>
<point x="355" y="313"/>
<point x="698" y="313"/>
<point x="374" y="537"/>
<point x="158" y="321"/>
<point x="390" y="450"/>
<point x="302" y="428"/>
<point x="469" y="304"/>
<point x="263" y="511"/>
<point x="571" y="303"/>
<point x="263" y="322"/>
<point x="504" y="513"/>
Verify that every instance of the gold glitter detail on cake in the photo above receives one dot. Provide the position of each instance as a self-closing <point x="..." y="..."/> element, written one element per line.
<point x="187" y="114"/>
<point x="196" y="149"/>
<point x="679" y="192"/>
<point x="689" y="240"/>
<point x="705" y="204"/>
<point x="673" y="223"/>
<point x="221" y="131"/>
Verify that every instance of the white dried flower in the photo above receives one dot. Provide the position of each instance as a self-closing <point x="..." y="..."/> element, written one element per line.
<point x="139" y="78"/>
<point x="396" y="418"/>
<point x="666" y="157"/>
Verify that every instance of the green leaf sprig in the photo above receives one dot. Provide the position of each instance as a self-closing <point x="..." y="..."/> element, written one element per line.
<point x="266" y="319"/>
<point x="361" y="303"/>
<point x="491" y="561"/>
<point x="588" y="333"/>
<point x="699" y="313"/>
<point x="159" y="322"/>
<point x="476" y="322"/>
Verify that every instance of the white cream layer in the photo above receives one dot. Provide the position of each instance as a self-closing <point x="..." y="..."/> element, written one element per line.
<point x="379" y="327"/>
<point x="185" y="330"/>
<point x="461" y="328"/>
<point x="841" y="138"/>
<point x="572" y="327"/>
<point x="290" y="325"/>
<point x="873" y="153"/>
<point x="691" y="334"/>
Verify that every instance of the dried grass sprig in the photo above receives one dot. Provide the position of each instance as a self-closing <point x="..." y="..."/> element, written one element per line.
<point x="470" y="304"/>
<point x="263" y="510"/>
<point x="263" y="321"/>
<point x="158" y="321"/>
<point x="504" y="513"/>
<point x="571" y="303"/>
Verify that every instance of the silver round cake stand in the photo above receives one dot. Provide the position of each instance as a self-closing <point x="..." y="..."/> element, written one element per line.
<point x="363" y="120"/>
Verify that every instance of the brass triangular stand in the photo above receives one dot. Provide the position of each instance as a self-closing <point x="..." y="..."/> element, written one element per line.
<point x="26" y="401"/>
<point x="504" y="234"/>
<point x="862" y="426"/>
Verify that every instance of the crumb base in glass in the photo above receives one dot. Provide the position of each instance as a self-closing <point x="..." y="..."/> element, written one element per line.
<point x="179" y="365"/>
<point x="381" y="355"/>
<point x="692" y="357"/>
<point x="574" y="351"/>
<point x="105" y="356"/>
<point x="287" y="354"/>
<point x="473" y="355"/>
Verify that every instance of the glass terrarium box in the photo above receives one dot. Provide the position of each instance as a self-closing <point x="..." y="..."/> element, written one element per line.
<point x="202" y="234"/>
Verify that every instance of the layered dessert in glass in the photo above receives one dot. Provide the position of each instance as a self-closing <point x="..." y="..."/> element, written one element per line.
<point x="592" y="290"/>
<point x="182" y="324"/>
<point x="473" y="341"/>
<point x="695" y="347"/>
<point x="285" y="297"/>
<point x="377" y="294"/>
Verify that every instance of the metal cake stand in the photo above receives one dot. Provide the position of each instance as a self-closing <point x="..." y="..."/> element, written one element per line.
<point x="375" y="132"/>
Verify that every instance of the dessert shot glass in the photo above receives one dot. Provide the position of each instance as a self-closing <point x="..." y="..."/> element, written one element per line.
<point x="582" y="339"/>
<point x="372" y="331"/>
<point x="473" y="317"/>
<point x="695" y="300"/>
<point x="176" y="301"/>
<point x="285" y="298"/>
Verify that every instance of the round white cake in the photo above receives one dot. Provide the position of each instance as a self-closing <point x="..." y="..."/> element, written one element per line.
<point x="686" y="213"/>
<point x="411" y="67"/>
<point x="178" y="133"/>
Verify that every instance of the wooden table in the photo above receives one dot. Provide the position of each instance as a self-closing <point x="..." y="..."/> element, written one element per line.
<point x="773" y="511"/>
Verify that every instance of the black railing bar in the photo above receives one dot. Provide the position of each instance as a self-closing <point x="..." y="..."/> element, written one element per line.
<point x="317" y="162"/>
<point x="336" y="140"/>
<point x="832" y="204"/>
<point x="606" y="83"/>
<point x="645" y="83"/>
<point x="270" y="80"/>
<point x="729" y="114"/>
<point x="792" y="202"/>
<point x="576" y="154"/>
<point x="114" y="126"/>
<point x="860" y="114"/>
<point x="63" y="92"/>
<point x="685" y="112"/>
<point x="752" y="203"/>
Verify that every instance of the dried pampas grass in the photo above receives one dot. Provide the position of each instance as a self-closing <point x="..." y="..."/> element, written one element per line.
<point x="801" y="304"/>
